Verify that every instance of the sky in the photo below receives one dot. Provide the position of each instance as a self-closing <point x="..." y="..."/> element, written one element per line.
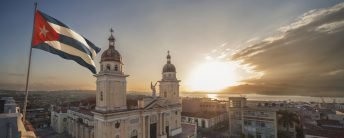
<point x="285" y="44"/>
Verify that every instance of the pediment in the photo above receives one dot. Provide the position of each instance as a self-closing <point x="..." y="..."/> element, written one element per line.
<point x="156" y="104"/>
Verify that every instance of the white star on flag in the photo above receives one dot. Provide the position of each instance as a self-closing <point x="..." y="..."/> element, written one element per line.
<point x="43" y="31"/>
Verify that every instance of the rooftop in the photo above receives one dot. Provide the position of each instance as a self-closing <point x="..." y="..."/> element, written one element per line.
<point x="188" y="130"/>
<point x="206" y="115"/>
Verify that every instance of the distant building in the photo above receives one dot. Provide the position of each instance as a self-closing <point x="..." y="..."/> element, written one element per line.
<point x="11" y="125"/>
<point x="338" y="116"/>
<point x="194" y="105"/>
<point x="339" y="106"/>
<point x="204" y="112"/>
<point x="39" y="117"/>
<point x="205" y="119"/>
<point x="260" y="123"/>
<point x="235" y="108"/>
<point x="59" y="119"/>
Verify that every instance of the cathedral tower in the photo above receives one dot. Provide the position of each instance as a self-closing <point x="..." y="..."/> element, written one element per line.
<point x="169" y="84"/>
<point x="111" y="80"/>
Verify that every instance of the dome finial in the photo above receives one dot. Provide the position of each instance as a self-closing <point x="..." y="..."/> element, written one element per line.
<point x="111" y="39"/>
<point x="168" y="57"/>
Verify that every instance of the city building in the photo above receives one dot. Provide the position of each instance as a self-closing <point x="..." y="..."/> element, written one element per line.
<point x="114" y="115"/>
<point x="204" y="112"/>
<point x="38" y="117"/>
<point x="204" y="119"/>
<point x="235" y="108"/>
<point x="59" y="119"/>
<point x="194" y="105"/>
<point x="11" y="124"/>
<point x="259" y="123"/>
<point x="251" y="121"/>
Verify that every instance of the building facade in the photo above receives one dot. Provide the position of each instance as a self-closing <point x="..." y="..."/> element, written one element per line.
<point x="204" y="112"/>
<point x="205" y="120"/>
<point x="259" y="123"/>
<point x="251" y="121"/>
<point x="235" y="108"/>
<point x="114" y="115"/>
<point x="11" y="124"/>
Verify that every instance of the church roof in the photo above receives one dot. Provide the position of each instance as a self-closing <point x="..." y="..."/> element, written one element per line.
<point x="111" y="54"/>
<point x="169" y="67"/>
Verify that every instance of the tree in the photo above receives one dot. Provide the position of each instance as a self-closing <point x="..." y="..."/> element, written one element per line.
<point x="288" y="119"/>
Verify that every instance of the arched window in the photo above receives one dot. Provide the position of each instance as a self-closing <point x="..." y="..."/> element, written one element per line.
<point x="117" y="125"/>
<point x="108" y="67"/>
<point x="101" y="95"/>
<point x="165" y="94"/>
<point x="116" y="67"/>
<point x="134" y="134"/>
<point x="203" y="124"/>
<point x="117" y="136"/>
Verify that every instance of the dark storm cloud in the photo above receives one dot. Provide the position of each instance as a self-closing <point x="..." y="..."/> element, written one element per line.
<point x="307" y="57"/>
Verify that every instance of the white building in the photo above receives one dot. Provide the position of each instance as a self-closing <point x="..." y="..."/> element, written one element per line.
<point x="58" y="120"/>
<point x="116" y="116"/>
<point x="204" y="119"/>
<point x="252" y="122"/>
<point x="11" y="124"/>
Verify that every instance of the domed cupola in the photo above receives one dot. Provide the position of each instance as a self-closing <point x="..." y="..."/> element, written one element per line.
<point x="169" y="67"/>
<point x="111" y="54"/>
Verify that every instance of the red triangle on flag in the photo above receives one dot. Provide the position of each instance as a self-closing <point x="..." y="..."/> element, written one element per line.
<point x="42" y="30"/>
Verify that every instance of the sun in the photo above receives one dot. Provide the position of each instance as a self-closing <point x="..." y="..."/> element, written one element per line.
<point x="212" y="76"/>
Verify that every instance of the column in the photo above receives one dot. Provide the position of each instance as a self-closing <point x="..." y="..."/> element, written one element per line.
<point x="87" y="132"/>
<point x="82" y="131"/>
<point x="159" y="124"/>
<point x="148" y="126"/>
<point x="143" y="130"/>
<point x="74" y="129"/>
<point x="163" y="124"/>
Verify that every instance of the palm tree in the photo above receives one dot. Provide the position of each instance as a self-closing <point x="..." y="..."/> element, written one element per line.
<point x="287" y="119"/>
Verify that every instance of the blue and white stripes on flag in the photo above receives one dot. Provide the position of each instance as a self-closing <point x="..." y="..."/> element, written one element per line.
<point x="55" y="37"/>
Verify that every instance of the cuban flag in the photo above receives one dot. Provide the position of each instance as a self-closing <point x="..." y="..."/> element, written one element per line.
<point x="53" y="36"/>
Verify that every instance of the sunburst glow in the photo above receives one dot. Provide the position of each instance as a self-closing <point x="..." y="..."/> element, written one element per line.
<point x="213" y="76"/>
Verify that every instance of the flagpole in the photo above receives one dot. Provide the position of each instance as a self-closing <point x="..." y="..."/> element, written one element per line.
<point x="28" y="69"/>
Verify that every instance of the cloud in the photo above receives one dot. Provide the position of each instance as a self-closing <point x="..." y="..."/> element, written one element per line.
<point x="331" y="27"/>
<point x="305" y="57"/>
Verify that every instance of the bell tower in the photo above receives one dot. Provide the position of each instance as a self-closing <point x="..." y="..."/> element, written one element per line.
<point x="111" y="80"/>
<point x="169" y="84"/>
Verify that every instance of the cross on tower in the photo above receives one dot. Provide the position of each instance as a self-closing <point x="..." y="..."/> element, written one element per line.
<point x="111" y="39"/>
